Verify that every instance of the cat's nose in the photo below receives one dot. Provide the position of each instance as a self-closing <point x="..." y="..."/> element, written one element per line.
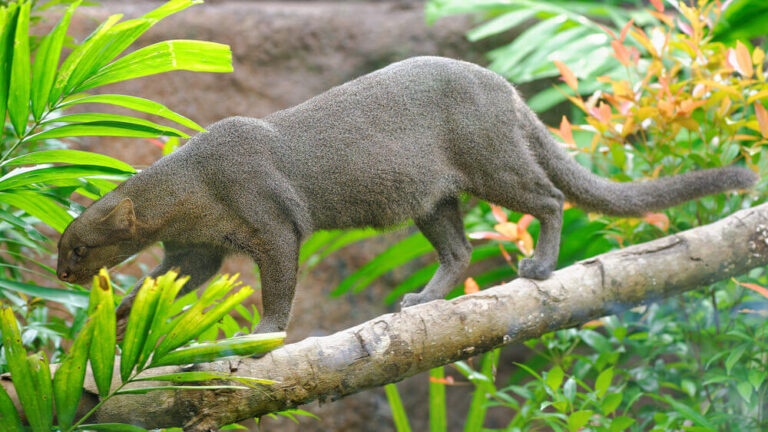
<point x="64" y="275"/>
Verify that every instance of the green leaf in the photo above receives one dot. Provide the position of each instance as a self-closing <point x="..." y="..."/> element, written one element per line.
<point x="745" y="390"/>
<point x="87" y="118"/>
<point x="193" y="322"/>
<point x="137" y="104"/>
<point x="9" y="417"/>
<point x="603" y="382"/>
<point x="107" y="128"/>
<point x="71" y="157"/>
<point x="27" y="176"/>
<point x="169" y="287"/>
<point x="142" y="313"/>
<point x="478" y="405"/>
<point x="437" y="415"/>
<point x="250" y="345"/>
<point x="41" y="375"/>
<point x="555" y="378"/>
<point x="742" y="20"/>
<point x="398" y="412"/>
<point x="72" y="60"/>
<point x="46" y="62"/>
<point x="102" y="313"/>
<point x="67" y="297"/>
<point x="23" y="379"/>
<point x="500" y="24"/>
<point x="578" y="419"/>
<point x="145" y="390"/>
<point x="610" y="403"/>
<point x="70" y="376"/>
<point x="18" y="99"/>
<point x="199" y="376"/>
<point x="8" y="17"/>
<point x="734" y="357"/>
<point x="621" y="423"/>
<point x="687" y="412"/>
<point x="39" y="206"/>
<point x="110" y="427"/>
<point x="756" y="378"/>
<point x="596" y="341"/>
<point x="162" y="57"/>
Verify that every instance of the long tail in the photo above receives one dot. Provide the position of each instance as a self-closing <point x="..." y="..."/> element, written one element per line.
<point x="595" y="193"/>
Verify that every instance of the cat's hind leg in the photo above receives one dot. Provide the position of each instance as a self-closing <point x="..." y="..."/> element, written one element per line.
<point x="443" y="228"/>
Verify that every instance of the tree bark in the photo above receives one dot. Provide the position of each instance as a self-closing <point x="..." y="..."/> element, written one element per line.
<point x="395" y="346"/>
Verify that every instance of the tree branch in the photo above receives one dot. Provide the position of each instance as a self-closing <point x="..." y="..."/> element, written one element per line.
<point x="395" y="346"/>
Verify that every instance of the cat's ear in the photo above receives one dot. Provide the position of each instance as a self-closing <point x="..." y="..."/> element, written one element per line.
<point x="121" y="219"/>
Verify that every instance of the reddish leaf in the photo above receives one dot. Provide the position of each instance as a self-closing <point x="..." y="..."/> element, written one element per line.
<point x="658" y="4"/>
<point x="659" y="220"/>
<point x="754" y="287"/>
<point x="566" y="132"/>
<point x="607" y="30"/>
<point x="567" y="75"/>
<point x="488" y="235"/>
<point x="762" y="119"/>
<point x="522" y="224"/>
<point x="156" y="142"/>
<point x="621" y="53"/>
<point x="498" y="213"/>
<point x="592" y="324"/>
<point x="740" y="60"/>
<point x="625" y="29"/>
<point x="505" y="254"/>
<point x="447" y="380"/>
<point x="685" y="27"/>
<point x="470" y="286"/>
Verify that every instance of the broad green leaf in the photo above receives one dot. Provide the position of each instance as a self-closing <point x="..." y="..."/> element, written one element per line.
<point x="162" y="57"/>
<point x="8" y="15"/>
<point x="47" y="61"/>
<point x="689" y="413"/>
<point x="72" y="60"/>
<point x="555" y="378"/>
<point x="41" y="375"/>
<point x="39" y="206"/>
<point x="170" y="8"/>
<point x="437" y="404"/>
<point x="23" y="379"/>
<point x="193" y="322"/>
<point x="200" y="376"/>
<point x="745" y="390"/>
<point x="137" y="104"/>
<point x="477" y="408"/>
<point x="621" y="423"/>
<point x="402" y="252"/>
<point x="76" y="157"/>
<point x="70" y="376"/>
<point x="500" y="24"/>
<point x="742" y="20"/>
<point x="396" y="405"/>
<point x="250" y="345"/>
<point x="734" y="357"/>
<point x="68" y="297"/>
<point x="27" y="176"/>
<point x="611" y="402"/>
<point x="577" y="420"/>
<point x="142" y="312"/>
<point x="115" y="118"/>
<point x="145" y="390"/>
<point x="603" y="382"/>
<point x="169" y="287"/>
<point x="9" y="417"/>
<point x="102" y="313"/>
<point x="110" y="427"/>
<point x="108" y="128"/>
<point x="18" y="98"/>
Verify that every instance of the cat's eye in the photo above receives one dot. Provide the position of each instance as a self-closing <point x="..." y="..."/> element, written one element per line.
<point x="80" y="251"/>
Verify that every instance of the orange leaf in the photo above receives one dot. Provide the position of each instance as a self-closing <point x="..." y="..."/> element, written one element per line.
<point x="498" y="213"/>
<point x="156" y="142"/>
<point x="762" y="118"/>
<point x="447" y="380"/>
<point x="592" y="324"/>
<point x="470" y="286"/>
<point x="621" y="53"/>
<point x="508" y="229"/>
<point x="566" y="132"/>
<point x="659" y="220"/>
<point x="525" y="244"/>
<point x="505" y="254"/>
<point x="625" y="29"/>
<point x="567" y="75"/>
<point x="757" y="288"/>
<point x="658" y="4"/>
<point x="663" y="18"/>
<point x="741" y="60"/>
<point x="523" y="223"/>
<point x="488" y="235"/>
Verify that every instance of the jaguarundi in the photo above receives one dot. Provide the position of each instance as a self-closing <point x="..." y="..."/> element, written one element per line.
<point x="400" y="143"/>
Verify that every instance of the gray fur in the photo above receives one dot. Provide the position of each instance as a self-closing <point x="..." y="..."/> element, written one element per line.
<point x="400" y="143"/>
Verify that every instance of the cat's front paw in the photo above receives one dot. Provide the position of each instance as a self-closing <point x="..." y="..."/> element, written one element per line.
<point x="530" y="268"/>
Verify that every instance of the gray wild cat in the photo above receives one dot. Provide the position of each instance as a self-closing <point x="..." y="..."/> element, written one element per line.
<point x="400" y="143"/>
